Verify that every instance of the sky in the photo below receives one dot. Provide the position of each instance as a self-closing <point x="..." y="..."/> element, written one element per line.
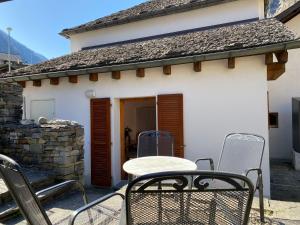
<point x="36" y="23"/>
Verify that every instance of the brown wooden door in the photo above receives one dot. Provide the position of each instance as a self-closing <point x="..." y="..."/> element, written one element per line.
<point x="100" y="142"/>
<point x="170" y="118"/>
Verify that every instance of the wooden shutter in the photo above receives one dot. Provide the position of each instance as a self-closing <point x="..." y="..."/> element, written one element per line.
<point x="100" y="142"/>
<point x="170" y="118"/>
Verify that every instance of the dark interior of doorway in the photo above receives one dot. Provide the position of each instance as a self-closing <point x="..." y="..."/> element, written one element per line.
<point x="137" y="115"/>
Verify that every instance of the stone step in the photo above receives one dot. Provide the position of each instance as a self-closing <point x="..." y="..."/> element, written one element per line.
<point x="10" y="210"/>
<point x="38" y="179"/>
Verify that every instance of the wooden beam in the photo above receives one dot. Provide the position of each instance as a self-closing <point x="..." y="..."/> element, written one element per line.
<point x="37" y="83"/>
<point x="93" y="77"/>
<point x="167" y="70"/>
<point x="275" y="70"/>
<point x="282" y="57"/>
<point x="197" y="66"/>
<point x="231" y="63"/>
<point x="73" y="79"/>
<point x="22" y="84"/>
<point x="269" y="58"/>
<point x="54" y="81"/>
<point x="116" y="75"/>
<point x="140" y="72"/>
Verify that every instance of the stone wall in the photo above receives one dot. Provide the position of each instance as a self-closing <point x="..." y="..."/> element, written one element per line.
<point x="10" y="103"/>
<point x="56" y="145"/>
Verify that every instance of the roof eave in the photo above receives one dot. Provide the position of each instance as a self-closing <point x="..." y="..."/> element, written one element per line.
<point x="157" y="63"/>
<point x="289" y="13"/>
<point x="72" y="31"/>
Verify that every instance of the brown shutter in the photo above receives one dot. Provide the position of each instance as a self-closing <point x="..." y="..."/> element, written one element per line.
<point x="100" y="142"/>
<point x="170" y="118"/>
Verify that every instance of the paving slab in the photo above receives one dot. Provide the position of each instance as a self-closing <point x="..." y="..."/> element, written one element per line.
<point x="59" y="210"/>
<point x="285" y="182"/>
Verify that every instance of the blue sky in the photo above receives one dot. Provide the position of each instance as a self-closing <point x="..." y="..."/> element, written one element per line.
<point x="36" y="23"/>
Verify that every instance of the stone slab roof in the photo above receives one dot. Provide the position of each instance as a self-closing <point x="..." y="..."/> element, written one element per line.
<point x="149" y="9"/>
<point x="214" y="40"/>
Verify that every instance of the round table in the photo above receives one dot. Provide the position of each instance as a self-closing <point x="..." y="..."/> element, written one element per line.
<point x="155" y="164"/>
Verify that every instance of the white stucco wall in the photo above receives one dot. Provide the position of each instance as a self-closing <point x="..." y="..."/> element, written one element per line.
<point x="281" y="92"/>
<point x="217" y="101"/>
<point x="219" y="14"/>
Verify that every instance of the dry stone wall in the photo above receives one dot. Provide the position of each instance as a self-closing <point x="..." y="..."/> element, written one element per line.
<point x="55" y="145"/>
<point x="10" y="103"/>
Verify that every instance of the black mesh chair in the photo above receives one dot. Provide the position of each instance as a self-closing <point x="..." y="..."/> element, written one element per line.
<point x="180" y="202"/>
<point x="155" y="143"/>
<point x="242" y="154"/>
<point x="27" y="200"/>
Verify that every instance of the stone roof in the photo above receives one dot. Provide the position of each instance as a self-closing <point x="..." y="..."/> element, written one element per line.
<point x="214" y="40"/>
<point x="149" y="9"/>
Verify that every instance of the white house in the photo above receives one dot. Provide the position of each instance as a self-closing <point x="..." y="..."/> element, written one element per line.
<point x="281" y="92"/>
<point x="198" y="69"/>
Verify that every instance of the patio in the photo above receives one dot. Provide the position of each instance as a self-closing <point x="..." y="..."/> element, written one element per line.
<point x="278" y="213"/>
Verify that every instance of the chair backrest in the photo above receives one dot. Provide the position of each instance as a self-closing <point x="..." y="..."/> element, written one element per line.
<point x="155" y="143"/>
<point x="241" y="152"/>
<point x="22" y="192"/>
<point x="183" y="203"/>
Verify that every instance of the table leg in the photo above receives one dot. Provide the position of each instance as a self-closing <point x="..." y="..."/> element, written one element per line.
<point x="130" y="178"/>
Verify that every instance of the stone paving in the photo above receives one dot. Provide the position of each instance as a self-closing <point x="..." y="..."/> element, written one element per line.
<point x="59" y="210"/>
<point x="277" y="213"/>
<point x="285" y="186"/>
<point x="285" y="182"/>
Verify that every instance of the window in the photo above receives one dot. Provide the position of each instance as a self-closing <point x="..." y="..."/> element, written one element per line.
<point x="273" y="120"/>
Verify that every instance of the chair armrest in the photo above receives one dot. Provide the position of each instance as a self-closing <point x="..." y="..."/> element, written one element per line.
<point x="259" y="182"/>
<point x="211" y="162"/>
<point x="259" y="171"/>
<point x="44" y="193"/>
<point x="90" y="205"/>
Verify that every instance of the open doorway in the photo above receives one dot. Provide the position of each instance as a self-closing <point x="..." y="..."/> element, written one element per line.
<point x="136" y="115"/>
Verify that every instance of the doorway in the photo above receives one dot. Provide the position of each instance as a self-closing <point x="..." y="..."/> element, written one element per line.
<point x="136" y="115"/>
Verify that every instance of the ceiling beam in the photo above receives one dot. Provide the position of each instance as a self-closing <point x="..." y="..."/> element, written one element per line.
<point x="116" y="75"/>
<point x="198" y="66"/>
<point x="231" y="63"/>
<point x="37" y="83"/>
<point x="140" y="72"/>
<point x="275" y="70"/>
<point x="22" y="84"/>
<point x="167" y="69"/>
<point x="282" y="56"/>
<point x="54" y="81"/>
<point x="93" y="77"/>
<point x="73" y="79"/>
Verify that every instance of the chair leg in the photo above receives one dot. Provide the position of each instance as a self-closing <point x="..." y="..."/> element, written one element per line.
<point x="261" y="198"/>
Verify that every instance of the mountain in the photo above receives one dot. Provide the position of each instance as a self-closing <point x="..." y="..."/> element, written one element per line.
<point x="27" y="55"/>
<point x="276" y="6"/>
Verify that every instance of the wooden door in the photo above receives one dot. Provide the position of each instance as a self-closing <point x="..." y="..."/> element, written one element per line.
<point x="170" y="118"/>
<point x="100" y="142"/>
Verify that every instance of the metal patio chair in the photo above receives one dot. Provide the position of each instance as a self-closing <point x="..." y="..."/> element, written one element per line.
<point x="155" y="143"/>
<point x="242" y="153"/>
<point x="28" y="201"/>
<point x="182" y="203"/>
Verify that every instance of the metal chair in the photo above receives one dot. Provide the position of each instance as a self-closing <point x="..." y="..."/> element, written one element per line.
<point x="155" y="143"/>
<point x="27" y="200"/>
<point x="181" y="203"/>
<point x="242" y="153"/>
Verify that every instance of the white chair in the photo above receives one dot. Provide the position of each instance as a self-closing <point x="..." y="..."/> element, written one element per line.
<point x="242" y="153"/>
